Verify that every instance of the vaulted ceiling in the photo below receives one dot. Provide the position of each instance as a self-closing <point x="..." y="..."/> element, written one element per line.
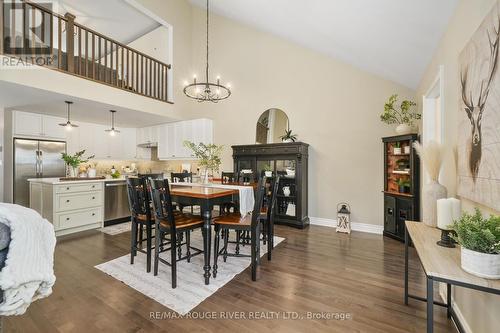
<point x="391" y="38"/>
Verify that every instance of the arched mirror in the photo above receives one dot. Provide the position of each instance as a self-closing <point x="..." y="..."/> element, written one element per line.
<point x="271" y="125"/>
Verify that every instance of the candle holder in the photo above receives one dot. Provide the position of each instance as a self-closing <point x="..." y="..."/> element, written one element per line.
<point x="446" y="240"/>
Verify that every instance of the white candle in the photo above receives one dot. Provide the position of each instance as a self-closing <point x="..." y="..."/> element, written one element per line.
<point x="444" y="217"/>
<point x="456" y="209"/>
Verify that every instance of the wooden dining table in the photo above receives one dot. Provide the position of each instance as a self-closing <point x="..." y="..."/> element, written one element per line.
<point x="206" y="198"/>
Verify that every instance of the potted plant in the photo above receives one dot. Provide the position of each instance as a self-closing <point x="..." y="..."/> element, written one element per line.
<point x="288" y="136"/>
<point x="74" y="161"/>
<point x="396" y="148"/>
<point x="403" y="115"/>
<point x="268" y="171"/>
<point x="404" y="185"/>
<point x="208" y="155"/>
<point x="480" y="244"/>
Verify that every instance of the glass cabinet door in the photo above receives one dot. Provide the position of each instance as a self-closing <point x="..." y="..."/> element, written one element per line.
<point x="286" y="204"/>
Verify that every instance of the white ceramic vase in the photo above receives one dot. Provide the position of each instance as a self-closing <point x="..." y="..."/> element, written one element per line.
<point x="484" y="265"/>
<point x="431" y="193"/>
<point x="403" y="129"/>
<point x="268" y="174"/>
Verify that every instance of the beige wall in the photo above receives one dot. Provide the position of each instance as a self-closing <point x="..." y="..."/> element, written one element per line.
<point x="331" y="105"/>
<point x="480" y="310"/>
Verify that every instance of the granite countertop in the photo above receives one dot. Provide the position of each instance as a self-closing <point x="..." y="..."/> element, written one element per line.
<point x="57" y="181"/>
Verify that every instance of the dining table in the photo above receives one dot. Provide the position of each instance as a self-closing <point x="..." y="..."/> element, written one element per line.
<point x="206" y="197"/>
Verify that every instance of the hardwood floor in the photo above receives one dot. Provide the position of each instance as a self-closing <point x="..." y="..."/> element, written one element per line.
<point x="313" y="270"/>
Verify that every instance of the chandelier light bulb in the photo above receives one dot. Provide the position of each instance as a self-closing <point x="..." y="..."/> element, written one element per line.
<point x="112" y="132"/>
<point x="68" y="127"/>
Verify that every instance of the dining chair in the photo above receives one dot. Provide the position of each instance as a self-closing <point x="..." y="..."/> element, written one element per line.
<point x="267" y="214"/>
<point x="227" y="177"/>
<point x="139" y="203"/>
<point x="235" y="221"/>
<point x="167" y="222"/>
<point x="181" y="177"/>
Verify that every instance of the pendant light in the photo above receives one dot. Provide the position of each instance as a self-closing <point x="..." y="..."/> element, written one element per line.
<point x="207" y="91"/>
<point x="112" y="131"/>
<point x="68" y="125"/>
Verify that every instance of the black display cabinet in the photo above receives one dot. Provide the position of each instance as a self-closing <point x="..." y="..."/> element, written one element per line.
<point x="293" y="189"/>
<point x="402" y="184"/>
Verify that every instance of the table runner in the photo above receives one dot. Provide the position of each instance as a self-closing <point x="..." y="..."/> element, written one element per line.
<point x="247" y="200"/>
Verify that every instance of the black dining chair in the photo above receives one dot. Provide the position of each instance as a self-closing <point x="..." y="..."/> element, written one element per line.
<point x="139" y="203"/>
<point x="267" y="214"/>
<point x="235" y="221"/>
<point x="169" y="223"/>
<point x="228" y="177"/>
<point x="182" y="177"/>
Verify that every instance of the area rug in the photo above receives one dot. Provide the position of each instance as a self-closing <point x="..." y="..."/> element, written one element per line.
<point x="191" y="289"/>
<point x="116" y="229"/>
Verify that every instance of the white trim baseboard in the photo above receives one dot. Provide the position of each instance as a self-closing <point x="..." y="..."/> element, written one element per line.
<point x="362" y="227"/>
<point x="456" y="308"/>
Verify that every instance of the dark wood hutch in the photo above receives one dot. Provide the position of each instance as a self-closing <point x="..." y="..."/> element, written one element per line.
<point x="401" y="184"/>
<point x="292" y="203"/>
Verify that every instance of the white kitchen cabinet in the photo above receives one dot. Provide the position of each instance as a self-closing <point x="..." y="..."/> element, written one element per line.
<point x="172" y="137"/>
<point x="51" y="127"/>
<point x="38" y="125"/>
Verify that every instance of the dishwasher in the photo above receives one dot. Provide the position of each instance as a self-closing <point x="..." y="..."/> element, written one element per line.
<point x="116" y="207"/>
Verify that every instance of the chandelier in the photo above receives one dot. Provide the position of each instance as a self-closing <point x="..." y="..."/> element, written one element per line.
<point x="207" y="91"/>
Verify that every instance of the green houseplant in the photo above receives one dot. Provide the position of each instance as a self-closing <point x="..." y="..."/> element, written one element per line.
<point x="289" y="136"/>
<point x="404" y="185"/>
<point x="403" y="115"/>
<point x="479" y="238"/>
<point x="208" y="155"/>
<point x="268" y="170"/>
<point x="74" y="161"/>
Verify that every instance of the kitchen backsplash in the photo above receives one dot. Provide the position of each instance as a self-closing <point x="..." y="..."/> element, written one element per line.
<point x="104" y="166"/>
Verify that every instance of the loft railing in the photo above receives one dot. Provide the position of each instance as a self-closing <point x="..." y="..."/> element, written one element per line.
<point x="35" y="34"/>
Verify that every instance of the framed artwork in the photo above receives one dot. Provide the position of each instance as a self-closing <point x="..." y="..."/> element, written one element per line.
<point x="479" y="115"/>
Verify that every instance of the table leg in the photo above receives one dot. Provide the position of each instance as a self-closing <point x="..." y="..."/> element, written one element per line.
<point x="430" y="305"/>
<point x="448" y="300"/>
<point x="207" y="237"/>
<point x="406" y="265"/>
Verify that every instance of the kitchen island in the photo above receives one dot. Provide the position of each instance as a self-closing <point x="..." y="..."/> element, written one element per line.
<point x="71" y="206"/>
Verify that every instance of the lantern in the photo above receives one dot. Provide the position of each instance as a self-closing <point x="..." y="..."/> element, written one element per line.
<point x="344" y="218"/>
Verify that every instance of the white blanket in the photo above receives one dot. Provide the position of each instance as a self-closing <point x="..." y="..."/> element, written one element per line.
<point x="28" y="274"/>
<point x="246" y="201"/>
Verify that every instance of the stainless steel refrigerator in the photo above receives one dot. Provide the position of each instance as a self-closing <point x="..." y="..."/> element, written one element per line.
<point x="35" y="159"/>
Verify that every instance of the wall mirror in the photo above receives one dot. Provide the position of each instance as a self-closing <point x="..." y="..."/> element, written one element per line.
<point x="271" y="125"/>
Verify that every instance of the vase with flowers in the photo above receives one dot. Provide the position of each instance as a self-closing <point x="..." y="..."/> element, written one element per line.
<point x="208" y="155"/>
<point x="403" y="115"/>
<point x="73" y="161"/>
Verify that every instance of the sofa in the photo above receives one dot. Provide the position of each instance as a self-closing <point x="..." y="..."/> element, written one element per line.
<point x="4" y="248"/>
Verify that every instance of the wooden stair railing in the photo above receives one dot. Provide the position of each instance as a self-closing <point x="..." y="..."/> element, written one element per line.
<point x="80" y="51"/>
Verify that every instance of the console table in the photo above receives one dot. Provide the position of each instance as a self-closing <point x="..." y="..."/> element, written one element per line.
<point x="440" y="264"/>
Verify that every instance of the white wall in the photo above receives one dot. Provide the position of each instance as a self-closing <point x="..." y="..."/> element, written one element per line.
<point x="480" y="310"/>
